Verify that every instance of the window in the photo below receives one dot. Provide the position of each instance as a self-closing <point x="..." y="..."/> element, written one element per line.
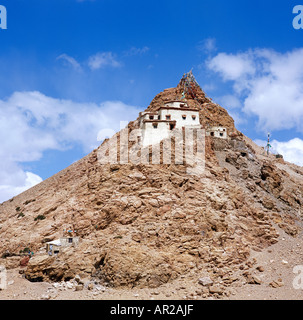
<point x="172" y="126"/>
<point x="194" y="117"/>
<point x="151" y="117"/>
<point x="159" y="117"/>
<point x="70" y="240"/>
<point x="184" y="117"/>
<point x="221" y="134"/>
<point x="168" y="117"/>
<point x="155" y="125"/>
<point x="212" y="133"/>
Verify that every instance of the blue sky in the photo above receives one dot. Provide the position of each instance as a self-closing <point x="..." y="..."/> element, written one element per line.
<point x="70" y="68"/>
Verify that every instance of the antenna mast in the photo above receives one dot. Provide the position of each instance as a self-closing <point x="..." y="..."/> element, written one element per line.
<point x="268" y="144"/>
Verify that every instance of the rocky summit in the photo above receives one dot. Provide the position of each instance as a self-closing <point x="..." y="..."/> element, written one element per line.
<point x="146" y="225"/>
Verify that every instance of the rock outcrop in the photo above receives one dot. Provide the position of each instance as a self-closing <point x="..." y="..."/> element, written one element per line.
<point x="145" y="225"/>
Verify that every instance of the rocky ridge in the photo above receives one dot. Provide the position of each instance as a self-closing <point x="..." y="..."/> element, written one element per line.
<point x="148" y="225"/>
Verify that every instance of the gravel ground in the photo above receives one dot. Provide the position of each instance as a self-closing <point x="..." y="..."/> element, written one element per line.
<point x="272" y="269"/>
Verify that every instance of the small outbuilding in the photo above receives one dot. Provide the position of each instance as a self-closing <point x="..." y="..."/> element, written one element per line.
<point x="217" y="132"/>
<point x="53" y="247"/>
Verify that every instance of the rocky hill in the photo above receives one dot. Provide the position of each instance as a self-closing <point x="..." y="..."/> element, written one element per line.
<point x="146" y="225"/>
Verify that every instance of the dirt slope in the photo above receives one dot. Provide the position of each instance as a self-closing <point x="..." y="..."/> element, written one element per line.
<point x="148" y="226"/>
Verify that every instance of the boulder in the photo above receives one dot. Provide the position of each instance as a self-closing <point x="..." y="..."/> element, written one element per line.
<point x="12" y="262"/>
<point x="24" y="261"/>
<point x="216" y="289"/>
<point x="131" y="265"/>
<point x="205" y="281"/>
<point x="277" y="283"/>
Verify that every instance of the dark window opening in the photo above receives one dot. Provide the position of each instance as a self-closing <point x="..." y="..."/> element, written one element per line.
<point x="70" y="240"/>
<point x="155" y="125"/>
<point x="171" y="126"/>
<point x="212" y="134"/>
<point x="151" y="117"/>
<point x="221" y="134"/>
<point x="184" y="117"/>
<point x="168" y="117"/>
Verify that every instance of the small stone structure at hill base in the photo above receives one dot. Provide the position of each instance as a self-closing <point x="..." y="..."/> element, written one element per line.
<point x="68" y="240"/>
<point x="53" y="247"/>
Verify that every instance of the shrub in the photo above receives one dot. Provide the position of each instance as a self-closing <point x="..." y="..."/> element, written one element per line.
<point x="25" y="250"/>
<point x="29" y="201"/>
<point x="40" y="217"/>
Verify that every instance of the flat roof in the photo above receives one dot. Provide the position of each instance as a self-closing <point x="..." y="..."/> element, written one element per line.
<point x="148" y="112"/>
<point x="157" y="120"/>
<point x="55" y="242"/>
<point x="176" y="101"/>
<point x="184" y="109"/>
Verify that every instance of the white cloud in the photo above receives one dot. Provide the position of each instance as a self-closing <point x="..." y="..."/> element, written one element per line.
<point x="291" y="150"/>
<point x="10" y="190"/>
<point x="269" y="83"/>
<point x="238" y="118"/>
<point x="70" y="61"/>
<point x="232" y="67"/>
<point x="208" y="87"/>
<point x="31" y="123"/>
<point x="98" y="60"/>
<point x="207" y="45"/>
<point x="230" y="101"/>
<point x="103" y="59"/>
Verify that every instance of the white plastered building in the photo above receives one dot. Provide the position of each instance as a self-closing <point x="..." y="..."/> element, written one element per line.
<point x="217" y="132"/>
<point x="157" y="125"/>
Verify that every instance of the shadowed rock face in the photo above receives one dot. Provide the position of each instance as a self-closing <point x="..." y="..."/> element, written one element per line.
<point x="145" y="225"/>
